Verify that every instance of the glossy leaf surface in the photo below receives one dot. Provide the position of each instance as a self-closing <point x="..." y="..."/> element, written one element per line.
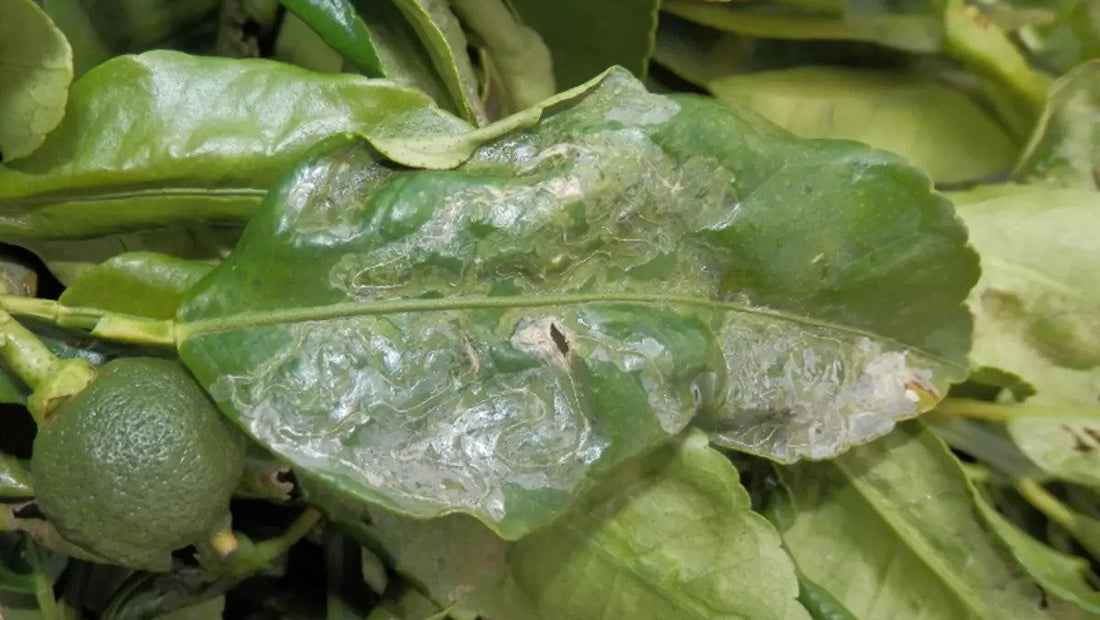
<point x="487" y="339"/>
<point x="1036" y="310"/>
<point x="15" y="481"/>
<point x="889" y="529"/>
<point x="36" y="67"/>
<point x="163" y="138"/>
<point x="670" y="537"/>
<point x="1065" y="148"/>
<point x="341" y="27"/>
<point x="939" y="129"/>
<point x="585" y="38"/>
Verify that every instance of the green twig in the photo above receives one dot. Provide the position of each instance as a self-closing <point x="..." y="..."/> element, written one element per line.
<point x="993" y="412"/>
<point x="43" y="587"/>
<point x="102" y="323"/>
<point x="275" y="547"/>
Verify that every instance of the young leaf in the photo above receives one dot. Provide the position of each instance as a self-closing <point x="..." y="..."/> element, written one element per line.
<point x="486" y="340"/>
<point x="341" y="27"/>
<point x="936" y="127"/>
<point x="1064" y="150"/>
<point x="165" y="139"/>
<point x="585" y="38"/>
<point x="1036" y="314"/>
<point x="890" y="530"/>
<point x="670" y="537"/>
<point x="36" y="67"/>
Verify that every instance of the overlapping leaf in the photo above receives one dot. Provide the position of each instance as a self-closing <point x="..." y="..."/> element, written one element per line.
<point x="1036" y="314"/>
<point x="889" y="529"/>
<point x="36" y="67"/>
<point x="671" y="537"/>
<point x="164" y="139"/>
<point x="936" y="127"/>
<point x="487" y="339"/>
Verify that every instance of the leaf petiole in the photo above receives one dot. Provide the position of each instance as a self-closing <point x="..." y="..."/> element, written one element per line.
<point x="992" y="412"/>
<point x="101" y="323"/>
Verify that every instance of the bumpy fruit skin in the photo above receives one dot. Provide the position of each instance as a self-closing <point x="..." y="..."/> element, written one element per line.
<point x="138" y="464"/>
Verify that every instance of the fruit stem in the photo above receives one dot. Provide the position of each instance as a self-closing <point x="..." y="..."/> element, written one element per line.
<point x="52" y="380"/>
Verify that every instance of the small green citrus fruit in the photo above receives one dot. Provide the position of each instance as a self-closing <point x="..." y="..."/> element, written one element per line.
<point x="138" y="464"/>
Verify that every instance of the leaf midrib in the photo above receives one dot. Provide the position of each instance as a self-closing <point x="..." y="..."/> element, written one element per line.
<point x="188" y="329"/>
<point x="50" y="198"/>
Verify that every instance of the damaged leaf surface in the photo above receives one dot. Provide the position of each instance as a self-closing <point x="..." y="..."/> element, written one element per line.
<point x="489" y="339"/>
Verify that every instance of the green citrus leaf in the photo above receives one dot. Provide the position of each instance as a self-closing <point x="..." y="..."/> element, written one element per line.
<point x="1064" y="443"/>
<point x="1066" y="576"/>
<point x="1034" y="316"/>
<point x="162" y="139"/>
<point x="341" y="27"/>
<point x="936" y="127"/>
<point x="36" y="68"/>
<point x="585" y="38"/>
<point x="889" y="529"/>
<point x="1064" y="150"/>
<point x="442" y="37"/>
<point x="918" y="31"/>
<point x="145" y="284"/>
<point x="670" y="537"/>
<point x="487" y="339"/>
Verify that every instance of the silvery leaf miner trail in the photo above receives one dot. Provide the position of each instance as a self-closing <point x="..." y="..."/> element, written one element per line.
<point x="489" y="339"/>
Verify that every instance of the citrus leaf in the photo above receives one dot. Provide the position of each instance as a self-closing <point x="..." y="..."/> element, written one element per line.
<point x="585" y="38"/>
<point x="913" y="32"/>
<point x="144" y="284"/>
<point x="1065" y="443"/>
<point x="163" y="139"/>
<point x="15" y="482"/>
<point x="937" y="128"/>
<point x="671" y="537"/>
<point x="341" y="27"/>
<point x="890" y="530"/>
<point x="519" y="57"/>
<point x="487" y="339"/>
<point x="101" y="29"/>
<point x="442" y="36"/>
<point x="1066" y="576"/>
<point x="1034" y="316"/>
<point x="36" y="67"/>
<point x="68" y="259"/>
<point x="1064" y="150"/>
